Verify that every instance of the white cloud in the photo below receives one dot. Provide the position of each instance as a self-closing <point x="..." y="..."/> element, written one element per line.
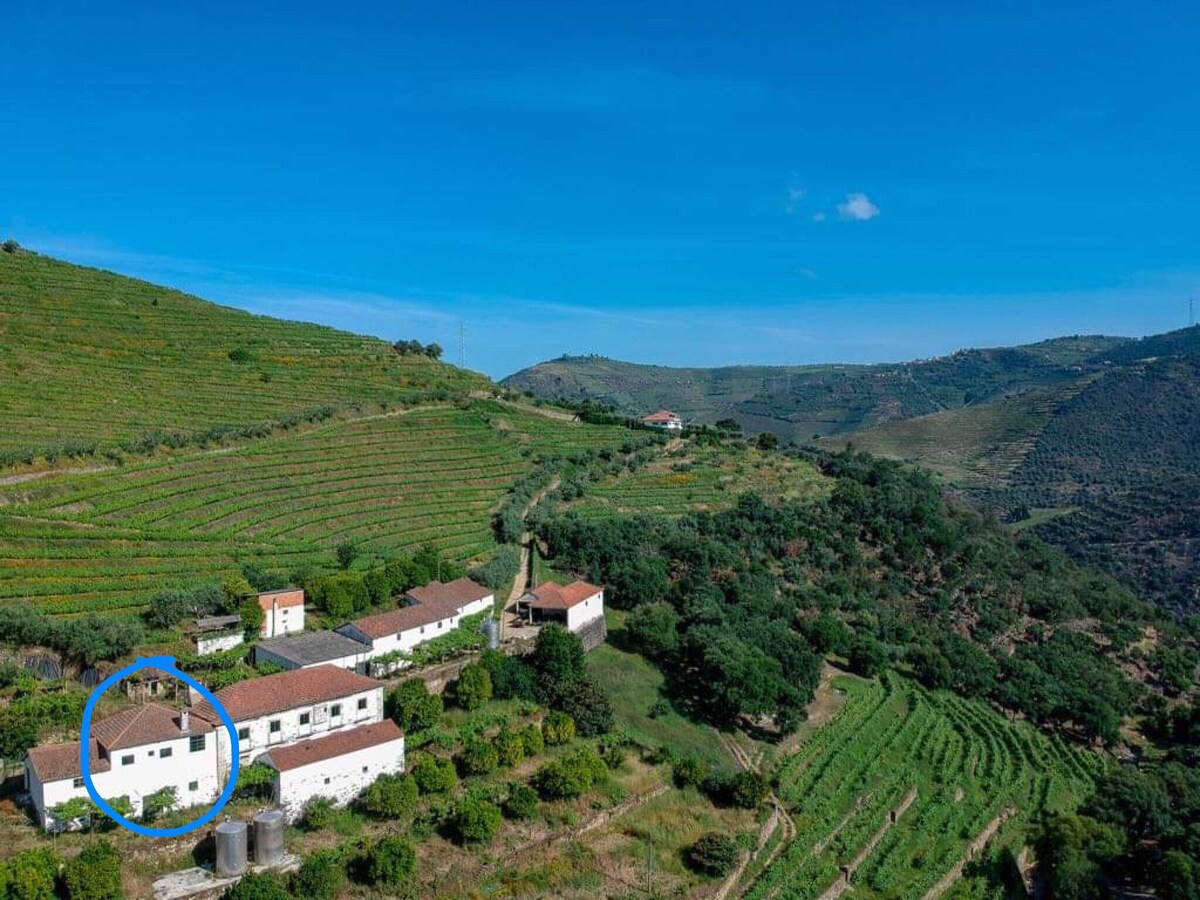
<point x="858" y="208"/>
<point x="794" y="196"/>
<point x="819" y="217"/>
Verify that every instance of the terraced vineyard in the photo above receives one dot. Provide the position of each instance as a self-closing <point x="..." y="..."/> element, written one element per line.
<point x="901" y="784"/>
<point x="114" y="359"/>
<point x="110" y="539"/>
<point x="694" y="480"/>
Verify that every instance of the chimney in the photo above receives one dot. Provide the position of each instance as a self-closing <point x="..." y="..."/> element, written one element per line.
<point x="183" y="720"/>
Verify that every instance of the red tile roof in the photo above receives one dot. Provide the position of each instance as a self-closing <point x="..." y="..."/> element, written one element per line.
<point x="558" y="596"/>
<point x="320" y="749"/>
<point x="55" y="762"/>
<point x="663" y="415"/>
<point x="285" y="598"/>
<point x="257" y="697"/>
<point x="404" y="619"/>
<point x="146" y="724"/>
<point x="456" y="593"/>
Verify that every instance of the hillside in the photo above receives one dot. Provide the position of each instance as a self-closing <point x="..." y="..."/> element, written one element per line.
<point x="91" y="362"/>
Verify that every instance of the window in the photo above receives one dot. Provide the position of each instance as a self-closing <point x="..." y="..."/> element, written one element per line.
<point x="78" y="782"/>
<point x="362" y="702"/>
<point x="273" y="726"/>
<point x="165" y="752"/>
<point x="305" y="718"/>
<point x="243" y="734"/>
<point x="127" y="759"/>
<point x="335" y="710"/>
<point x="422" y="629"/>
<point x="364" y="770"/>
<point x="150" y="753"/>
<point x="327" y="781"/>
<point x="193" y="785"/>
<point x="196" y="743"/>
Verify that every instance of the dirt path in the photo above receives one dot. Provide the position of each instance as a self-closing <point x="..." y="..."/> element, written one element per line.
<point x="977" y="845"/>
<point x="842" y="885"/>
<point x="523" y="580"/>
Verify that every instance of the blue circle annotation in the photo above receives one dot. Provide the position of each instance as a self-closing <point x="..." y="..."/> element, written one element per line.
<point x="165" y="664"/>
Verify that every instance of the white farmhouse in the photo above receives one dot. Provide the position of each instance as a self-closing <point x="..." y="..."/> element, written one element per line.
<point x="401" y="629"/>
<point x="462" y="594"/>
<point x="310" y="649"/>
<point x="664" y="419"/>
<point x="132" y="754"/>
<point x="338" y="766"/>
<point x="573" y="605"/>
<point x="283" y="612"/>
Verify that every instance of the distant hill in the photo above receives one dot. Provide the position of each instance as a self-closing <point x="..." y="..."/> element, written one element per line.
<point x="1093" y="442"/>
<point x="90" y="360"/>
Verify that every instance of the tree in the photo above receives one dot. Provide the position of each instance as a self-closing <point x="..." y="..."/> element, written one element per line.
<point x="318" y="813"/>
<point x="570" y="776"/>
<point x="17" y="734"/>
<point x="391" y="862"/>
<point x="434" y="775"/>
<point x="320" y="877"/>
<point x="589" y="706"/>
<point x="1177" y="877"/>
<point x="346" y="554"/>
<point x="531" y="737"/>
<point x="730" y="426"/>
<point x="767" y="441"/>
<point x="476" y="821"/>
<point x="558" y="660"/>
<point x="713" y="854"/>
<point x="433" y="351"/>
<point x="558" y="728"/>
<point x="510" y="748"/>
<point x="512" y="678"/>
<point x="413" y="707"/>
<point x="169" y="608"/>
<point x="32" y="873"/>
<point x="478" y="757"/>
<point x="252" y="615"/>
<point x="652" y="630"/>
<point x="161" y="801"/>
<point x="235" y="589"/>
<point x="473" y="687"/>
<point x="390" y="796"/>
<point x="521" y="802"/>
<point x="95" y="874"/>
<point x="867" y="656"/>
<point x="258" y="886"/>
<point x="10" y="246"/>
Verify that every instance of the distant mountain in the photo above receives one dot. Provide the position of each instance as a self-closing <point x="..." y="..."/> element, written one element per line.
<point x="1093" y="442"/>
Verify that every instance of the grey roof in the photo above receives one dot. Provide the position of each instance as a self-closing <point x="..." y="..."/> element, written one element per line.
<point x="215" y="623"/>
<point x="311" y="647"/>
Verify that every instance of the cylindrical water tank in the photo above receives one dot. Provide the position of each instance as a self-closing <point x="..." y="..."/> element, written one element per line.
<point x="268" y="837"/>
<point x="231" y="849"/>
<point x="491" y="630"/>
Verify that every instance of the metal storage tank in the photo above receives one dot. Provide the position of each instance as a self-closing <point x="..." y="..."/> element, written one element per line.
<point x="231" y="849"/>
<point x="268" y="837"/>
<point x="491" y="629"/>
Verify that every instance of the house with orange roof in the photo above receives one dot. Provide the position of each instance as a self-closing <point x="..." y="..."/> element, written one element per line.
<point x="664" y="419"/>
<point x="574" y="605"/>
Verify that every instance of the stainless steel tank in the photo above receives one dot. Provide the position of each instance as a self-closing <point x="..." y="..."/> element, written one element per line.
<point x="231" y="849"/>
<point x="268" y="838"/>
<point x="491" y="630"/>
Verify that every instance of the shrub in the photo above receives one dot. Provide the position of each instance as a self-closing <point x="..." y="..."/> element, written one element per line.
<point x="320" y="876"/>
<point x="570" y="776"/>
<point x="95" y="874"/>
<point x="510" y="748"/>
<point x="689" y="772"/>
<point x="318" y="813"/>
<point x="475" y="821"/>
<point x="434" y="775"/>
<point x="391" y="862"/>
<point x="473" y="687"/>
<point x="512" y="678"/>
<point x="747" y="790"/>
<point x="478" y="757"/>
<point x="521" y="802"/>
<point x="413" y="707"/>
<point x="31" y="874"/>
<point x="390" y="796"/>
<point x="531" y="736"/>
<point x="258" y="886"/>
<point x="558" y="728"/>
<point x="713" y="854"/>
<point x="589" y="706"/>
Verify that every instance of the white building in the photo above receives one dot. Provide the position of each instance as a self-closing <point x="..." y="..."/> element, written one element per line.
<point x="283" y="612"/>
<point x="338" y="766"/>
<point x="463" y="595"/>
<point x="132" y="754"/>
<point x="310" y="649"/>
<point x="665" y="419"/>
<point x="212" y="634"/>
<point x="573" y="606"/>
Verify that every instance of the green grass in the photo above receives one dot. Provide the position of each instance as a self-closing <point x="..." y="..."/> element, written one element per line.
<point x="967" y="763"/>
<point x="111" y="539"/>
<point x="93" y="358"/>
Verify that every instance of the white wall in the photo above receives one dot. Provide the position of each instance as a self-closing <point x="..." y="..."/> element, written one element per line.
<point x="341" y="779"/>
<point x="405" y="640"/>
<point x="264" y="654"/>
<point x="487" y="604"/>
<point x="281" y="620"/>
<point x="582" y="613"/>
<point x="218" y="642"/>
<point x="260" y="738"/>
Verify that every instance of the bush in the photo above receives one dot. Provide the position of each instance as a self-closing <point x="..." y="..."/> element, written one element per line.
<point x="258" y="886"/>
<point x="589" y="706"/>
<point x="689" y="772"/>
<point x="510" y="748"/>
<point x="31" y="875"/>
<point x="713" y="854"/>
<point x="521" y="802"/>
<point x="475" y="821"/>
<point x="413" y="707"/>
<point x="558" y="728"/>
<point x="434" y="775"/>
<point x="473" y="688"/>
<point x="320" y="876"/>
<point x="95" y="874"/>
<point x="570" y="776"/>
<point x="512" y="678"/>
<point x="747" y="790"/>
<point x="390" y="796"/>
<point x="478" y="757"/>
<point x="391" y="862"/>
<point x="531" y="736"/>
<point x="318" y="814"/>
<point x="499" y="571"/>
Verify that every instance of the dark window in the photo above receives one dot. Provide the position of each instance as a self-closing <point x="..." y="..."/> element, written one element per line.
<point x="127" y="759"/>
<point x="196" y="743"/>
<point x="327" y="781"/>
<point x="335" y="710"/>
<point x="243" y="734"/>
<point x="165" y="752"/>
<point x="364" y="770"/>
<point x="305" y="718"/>
<point x="273" y="726"/>
<point x="193" y="785"/>
<point x="78" y="782"/>
<point x="362" y="702"/>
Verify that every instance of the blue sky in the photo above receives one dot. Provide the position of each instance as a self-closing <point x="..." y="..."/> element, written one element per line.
<point x="679" y="183"/>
